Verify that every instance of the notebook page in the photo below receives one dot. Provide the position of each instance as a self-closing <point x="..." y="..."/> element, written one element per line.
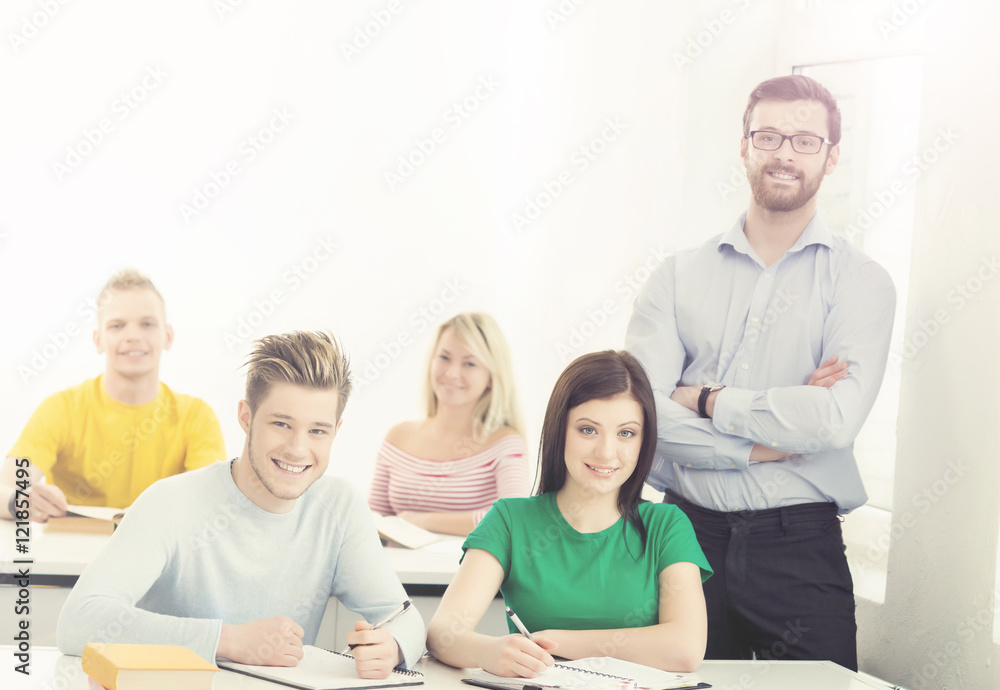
<point x="557" y="677"/>
<point x="645" y="676"/>
<point x="320" y="670"/>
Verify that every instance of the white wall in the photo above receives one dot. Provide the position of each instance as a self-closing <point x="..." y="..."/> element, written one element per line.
<point x="520" y="92"/>
<point x="936" y="627"/>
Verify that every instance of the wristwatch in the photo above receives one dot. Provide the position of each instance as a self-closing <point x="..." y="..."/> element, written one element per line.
<point x="703" y="398"/>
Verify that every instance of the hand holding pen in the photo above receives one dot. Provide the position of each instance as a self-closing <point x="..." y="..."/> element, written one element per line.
<point x="374" y="648"/>
<point x="517" y="622"/>
<point x="523" y="655"/>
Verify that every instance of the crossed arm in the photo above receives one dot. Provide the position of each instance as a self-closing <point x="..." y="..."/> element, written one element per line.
<point x="773" y="422"/>
<point x="825" y="376"/>
<point x="676" y="642"/>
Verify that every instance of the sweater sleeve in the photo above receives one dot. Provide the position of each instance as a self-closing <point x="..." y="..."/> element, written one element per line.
<point x="102" y="606"/>
<point x="365" y="582"/>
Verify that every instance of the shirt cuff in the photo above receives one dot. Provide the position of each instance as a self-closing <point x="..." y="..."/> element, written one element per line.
<point x="732" y="417"/>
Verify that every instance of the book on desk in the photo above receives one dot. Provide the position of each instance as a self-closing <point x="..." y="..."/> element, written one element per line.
<point x="395" y="530"/>
<point x="86" y="520"/>
<point x="146" y="667"/>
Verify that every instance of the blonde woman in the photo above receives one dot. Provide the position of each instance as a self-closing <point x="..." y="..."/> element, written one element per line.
<point x="444" y="472"/>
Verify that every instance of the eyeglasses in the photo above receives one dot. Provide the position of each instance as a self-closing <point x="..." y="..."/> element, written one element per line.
<point x="801" y="143"/>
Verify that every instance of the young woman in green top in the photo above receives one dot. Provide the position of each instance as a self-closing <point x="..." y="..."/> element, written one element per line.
<point x="589" y="568"/>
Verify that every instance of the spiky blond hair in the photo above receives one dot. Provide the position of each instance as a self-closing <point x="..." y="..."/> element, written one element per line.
<point x="313" y="359"/>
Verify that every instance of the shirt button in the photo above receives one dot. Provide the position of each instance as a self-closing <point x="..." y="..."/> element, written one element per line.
<point x="755" y="319"/>
<point x="688" y="465"/>
<point x="774" y="443"/>
<point x="744" y="367"/>
<point x="767" y="275"/>
<point x="730" y="427"/>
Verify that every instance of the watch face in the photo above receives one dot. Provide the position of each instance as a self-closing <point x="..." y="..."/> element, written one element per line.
<point x="714" y="386"/>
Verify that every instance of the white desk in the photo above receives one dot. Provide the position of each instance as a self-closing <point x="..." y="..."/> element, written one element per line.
<point x="59" y="558"/>
<point x="50" y="670"/>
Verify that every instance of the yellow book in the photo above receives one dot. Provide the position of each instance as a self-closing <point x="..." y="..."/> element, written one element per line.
<point x="147" y="667"/>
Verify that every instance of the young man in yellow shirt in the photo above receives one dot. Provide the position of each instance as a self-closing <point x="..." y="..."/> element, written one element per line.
<point x="105" y="440"/>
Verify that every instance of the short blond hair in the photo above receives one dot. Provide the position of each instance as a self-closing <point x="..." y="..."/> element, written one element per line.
<point x="498" y="407"/>
<point x="126" y="279"/>
<point x="313" y="359"/>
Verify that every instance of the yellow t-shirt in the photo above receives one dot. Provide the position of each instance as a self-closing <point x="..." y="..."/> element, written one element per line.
<point x="103" y="452"/>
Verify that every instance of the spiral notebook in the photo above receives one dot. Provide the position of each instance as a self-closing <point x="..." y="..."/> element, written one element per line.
<point x="321" y="669"/>
<point x="592" y="673"/>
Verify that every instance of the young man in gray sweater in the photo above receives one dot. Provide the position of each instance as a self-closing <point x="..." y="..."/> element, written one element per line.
<point x="237" y="560"/>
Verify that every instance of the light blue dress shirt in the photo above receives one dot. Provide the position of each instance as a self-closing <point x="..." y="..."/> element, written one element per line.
<point x="717" y="313"/>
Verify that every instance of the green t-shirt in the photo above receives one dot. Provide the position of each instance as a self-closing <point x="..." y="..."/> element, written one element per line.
<point x="558" y="578"/>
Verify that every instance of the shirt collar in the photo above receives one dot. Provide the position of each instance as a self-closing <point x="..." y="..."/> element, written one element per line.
<point x="815" y="232"/>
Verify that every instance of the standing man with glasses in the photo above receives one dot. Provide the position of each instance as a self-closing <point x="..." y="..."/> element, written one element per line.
<point x="766" y="347"/>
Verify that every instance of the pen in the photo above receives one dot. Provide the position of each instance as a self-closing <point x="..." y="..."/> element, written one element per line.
<point x="404" y="607"/>
<point x="517" y="622"/>
<point x="485" y="684"/>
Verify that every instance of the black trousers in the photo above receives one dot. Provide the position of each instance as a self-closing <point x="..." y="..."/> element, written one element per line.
<point x="781" y="588"/>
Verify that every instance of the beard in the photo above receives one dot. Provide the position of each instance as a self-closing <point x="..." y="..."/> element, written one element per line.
<point x="772" y="198"/>
<point x="260" y="468"/>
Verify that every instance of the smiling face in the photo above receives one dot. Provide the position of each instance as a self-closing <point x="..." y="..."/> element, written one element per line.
<point x="132" y="333"/>
<point x="784" y="180"/>
<point x="457" y="377"/>
<point x="603" y="438"/>
<point x="288" y="443"/>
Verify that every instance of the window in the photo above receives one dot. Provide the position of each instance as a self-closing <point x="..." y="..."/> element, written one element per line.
<point x="870" y="200"/>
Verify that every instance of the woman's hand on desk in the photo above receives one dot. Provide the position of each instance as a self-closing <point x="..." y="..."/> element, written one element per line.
<point x="459" y="524"/>
<point x="273" y="641"/>
<point x="517" y="656"/>
<point x="375" y="650"/>
<point x="415" y="518"/>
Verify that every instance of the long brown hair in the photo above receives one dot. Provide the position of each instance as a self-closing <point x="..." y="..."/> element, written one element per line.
<point x="599" y="376"/>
